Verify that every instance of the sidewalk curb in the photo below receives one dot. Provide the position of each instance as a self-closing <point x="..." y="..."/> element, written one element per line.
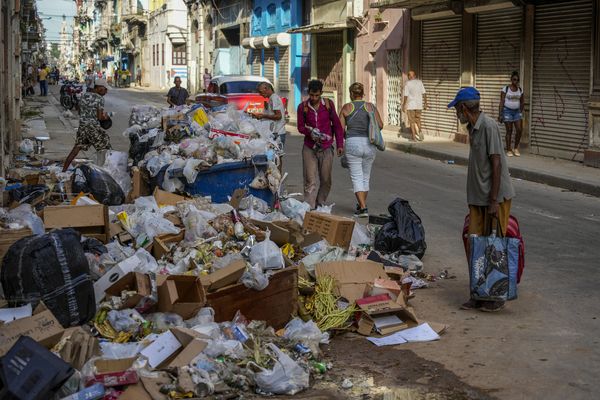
<point x="515" y="172"/>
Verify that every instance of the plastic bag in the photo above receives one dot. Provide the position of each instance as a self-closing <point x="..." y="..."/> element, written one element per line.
<point x="325" y="209"/>
<point x="117" y="351"/>
<point x="25" y="216"/>
<point x="190" y="171"/>
<point x="196" y="226"/>
<point x="99" y="182"/>
<point x="228" y="348"/>
<point x="286" y="377"/>
<point x="26" y="146"/>
<point x="162" y="322"/>
<point x="260" y="181"/>
<point x="255" y="278"/>
<point x="174" y="184"/>
<point x="267" y="254"/>
<point x="222" y="262"/>
<point x="155" y="163"/>
<point x="150" y="224"/>
<point x="360" y="235"/>
<point x="305" y="332"/>
<point x="116" y="164"/>
<point x="405" y="234"/>
<point x="256" y="203"/>
<point x="146" y="203"/>
<point x="294" y="209"/>
<point x="206" y="315"/>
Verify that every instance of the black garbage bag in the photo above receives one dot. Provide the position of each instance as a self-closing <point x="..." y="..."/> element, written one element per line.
<point x="138" y="147"/>
<point x="51" y="268"/>
<point x="98" y="182"/>
<point x="28" y="193"/>
<point x="405" y="234"/>
<point x="94" y="246"/>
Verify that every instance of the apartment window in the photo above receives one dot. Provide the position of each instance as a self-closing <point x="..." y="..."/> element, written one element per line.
<point x="285" y="13"/>
<point x="163" y="54"/>
<point x="257" y="20"/>
<point x="179" y="56"/>
<point x="153" y="55"/>
<point x="271" y="13"/>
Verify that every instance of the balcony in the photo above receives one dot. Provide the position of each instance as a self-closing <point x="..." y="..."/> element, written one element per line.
<point x="101" y="33"/>
<point x="229" y="15"/>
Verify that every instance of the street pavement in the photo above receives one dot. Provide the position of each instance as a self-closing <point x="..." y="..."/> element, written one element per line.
<point x="544" y="344"/>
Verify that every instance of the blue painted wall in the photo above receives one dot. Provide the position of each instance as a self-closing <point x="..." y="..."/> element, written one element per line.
<point x="274" y="16"/>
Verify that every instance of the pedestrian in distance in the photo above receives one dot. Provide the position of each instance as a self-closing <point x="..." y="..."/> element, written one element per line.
<point x="512" y="103"/>
<point x="42" y="77"/>
<point x="138" y="76"/>
<point x="116" y="77"/>
<point x="90" y="132"/>
<point x="206" y="77"/>
<point x="90" y="78"/>
<point x="275" y="111"/>
<point x="177" y="95"/>
<point x="360" y="152"/>
<point x="320" y="125"/>
<point x="489" y="189"/>
<point x="413" y="104"/>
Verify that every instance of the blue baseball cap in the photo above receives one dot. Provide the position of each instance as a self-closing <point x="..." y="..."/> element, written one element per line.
<point x="465" y="94"/>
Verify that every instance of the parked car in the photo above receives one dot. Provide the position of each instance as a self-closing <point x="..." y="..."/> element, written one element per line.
<point x="237" y="89"/>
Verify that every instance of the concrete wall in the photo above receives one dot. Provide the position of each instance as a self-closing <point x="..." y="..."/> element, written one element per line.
<point x="329" y="11"/>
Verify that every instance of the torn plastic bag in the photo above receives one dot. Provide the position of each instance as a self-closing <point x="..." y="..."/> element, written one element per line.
<point x="229" y="348"/>
<point x="256" y="203"/>
<point x="206" y="315"/>
<point x="116" y="165"/>
<point x="174" y="184"/>
<point x="405" y="234"/>
<point x="157" y="162"/>
<point x="305" y="332"/>
<point x="53" y="268"/>
<point x="255" y="278"/>
<point x="267" y="254"/>
<point x="164" y="321"/>
<point x="95" y="180"/>
<point x="197" y="226"/>
<point x="146" y="203"/>
<point x="127" y="320"/>
<point x="117" y="351"/>
<point x="24" y="215"/>
<point x="294" y="209"/>
<point x="190" y="171"/>
<point x="360" y="235"/>
<point x="286" y="376"/>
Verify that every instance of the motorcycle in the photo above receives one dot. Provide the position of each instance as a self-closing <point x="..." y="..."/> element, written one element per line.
<point x="70" y="92"/>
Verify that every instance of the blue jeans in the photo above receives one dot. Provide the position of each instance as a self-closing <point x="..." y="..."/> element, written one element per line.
<point x="44" y="88"/>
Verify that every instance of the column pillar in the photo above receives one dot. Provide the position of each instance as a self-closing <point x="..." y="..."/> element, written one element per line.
<point x="527" y="70"/>
<point x="591" y="156"/>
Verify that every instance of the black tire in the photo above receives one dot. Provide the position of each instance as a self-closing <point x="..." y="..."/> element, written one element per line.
<point x="69" y="103"/>
<point x="63" y="101"/>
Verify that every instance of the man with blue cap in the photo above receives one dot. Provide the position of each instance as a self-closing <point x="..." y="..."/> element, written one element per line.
<point x="489" y="189"/>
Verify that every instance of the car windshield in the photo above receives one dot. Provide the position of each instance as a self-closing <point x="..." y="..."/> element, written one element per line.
<point x="239" y="87"/>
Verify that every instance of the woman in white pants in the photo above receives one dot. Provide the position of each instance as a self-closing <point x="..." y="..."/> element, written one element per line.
<point x="360" y="153"/>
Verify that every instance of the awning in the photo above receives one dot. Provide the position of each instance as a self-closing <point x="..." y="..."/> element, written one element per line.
<point x="403" y="3"/>
<point x="176" y="37"/>
<point x="322" y="27"/>
<point x="265" y="42"/>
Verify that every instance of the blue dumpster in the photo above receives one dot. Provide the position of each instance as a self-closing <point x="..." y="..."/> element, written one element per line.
<point x="220" y="181"/>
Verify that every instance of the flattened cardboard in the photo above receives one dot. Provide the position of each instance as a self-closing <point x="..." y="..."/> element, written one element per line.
<point x="351" y="277"/>
<point x="90" y="220"/>
<point x="175" y="348"/>
<point x="226" y="276"/>
<point x="139" y="185"/>
<point x="181" y="294"/>
<point x="167" y="199"/>
<point x="9" y="236"/>
<point x="135" y="392"/>
<point x="42" y="326"/>
<point x="133" y="281"/>
<point x="382" y="305"/>
<point x="105" y="366"/>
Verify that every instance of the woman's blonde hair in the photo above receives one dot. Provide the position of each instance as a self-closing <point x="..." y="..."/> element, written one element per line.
<point x="357" y="90"/>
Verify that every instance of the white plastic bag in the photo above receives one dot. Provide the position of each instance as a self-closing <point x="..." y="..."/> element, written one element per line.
<point x="146" y="203"/>
<point x="190" y="171"/>
<point x="286" y="377"/>
<point x="174" y="184"/>
<point x="267" y="254"/>
<point x="360" y="235"/>
<point x="255" y="278"/>
<point x="196" y="226"/>
<point x="305" y="332"/>
<point x="116" y="164"/>
<point x="294" y="209"/>
<point x="26" y="146"/>
<point x="25" y="216"/>
<point x="230" y="348"/>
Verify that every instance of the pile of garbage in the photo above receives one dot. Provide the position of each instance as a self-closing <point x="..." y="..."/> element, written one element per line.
<point x="117" y="287"/>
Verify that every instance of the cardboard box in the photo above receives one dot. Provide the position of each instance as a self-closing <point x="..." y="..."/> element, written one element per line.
<point x="167" y="199"/>
<point x="159" y="246"/>
<point x="90" y="220"/>
<point x="352" y="277"/>
<point x="180" y="294"/>
<point x="383" y="286"/>
<point x="113" y="275"/>
<point x="335" y="229"/>
<point x="42" y="326"/>
<point x="135" y="392"/>
<point x="133" y="281"/>
<point x="376" y="308"/>
<point x="174" y="348"/>
<point x="170" y="120"/>
<point x="139" y="184"/>
<point x="94" y="392"/>
<point x="275" y="304"/>
<point x="226" y="276"/>
<point x="283" y="232"/>
<point x="114" y="372"/>
<point x="10" y="236"/>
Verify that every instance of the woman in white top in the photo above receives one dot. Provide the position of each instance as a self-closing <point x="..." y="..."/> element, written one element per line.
<point x="511" y="113"/>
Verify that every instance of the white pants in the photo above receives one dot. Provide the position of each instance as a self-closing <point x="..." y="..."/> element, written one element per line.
<point x="360" y="154"/>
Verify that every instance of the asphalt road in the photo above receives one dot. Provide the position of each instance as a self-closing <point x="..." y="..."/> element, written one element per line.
<point x="544" y="344"/>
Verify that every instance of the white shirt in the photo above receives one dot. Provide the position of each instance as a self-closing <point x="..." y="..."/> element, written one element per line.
<point x="275" y="103"/>
<point x="413" y="91"/>
<point x="512" y="99"/>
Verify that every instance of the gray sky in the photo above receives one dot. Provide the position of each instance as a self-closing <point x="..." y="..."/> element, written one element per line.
<point x="55" y="9"/>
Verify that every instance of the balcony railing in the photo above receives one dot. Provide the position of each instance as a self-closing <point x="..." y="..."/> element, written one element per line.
<point x="229" y="14"/>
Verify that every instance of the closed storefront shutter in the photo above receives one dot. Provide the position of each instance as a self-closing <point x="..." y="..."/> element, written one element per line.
<point x="561" y="79"/>
<point x="440" y="72"/>
<point x="394" y="103"/>
<point x="269" y="65"/>
<point x="330" y="65"/>
<point x="256" y="62"/>
<point x="283" y="78"/>
<point x="498" y="54"/>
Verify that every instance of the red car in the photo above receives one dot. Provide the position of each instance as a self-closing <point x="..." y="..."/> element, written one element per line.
<point x="237" y="89"/>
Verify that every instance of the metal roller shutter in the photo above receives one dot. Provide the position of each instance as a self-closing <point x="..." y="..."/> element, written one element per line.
<point x="269" y="65"/>
<point x="283" y="76"/>
<point x="440" y="72"/>
<point x="561" y="79"/>
<point x="498" y="54"/>
<point x="394" y="101"/>
<point x="255" y="61"/>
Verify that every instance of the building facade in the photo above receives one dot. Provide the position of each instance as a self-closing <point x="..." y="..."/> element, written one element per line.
<point x="200" y="42"/>
<point x="555" y="45"/>
<point x="274" y="53"/>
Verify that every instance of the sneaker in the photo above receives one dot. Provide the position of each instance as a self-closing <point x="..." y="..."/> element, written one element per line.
<point x="516" y="153"/>
<point x="362" y="213"/>
<point x="510" y="153"/>
<point x="493" y="306"/>
<point x="471" y="305"/>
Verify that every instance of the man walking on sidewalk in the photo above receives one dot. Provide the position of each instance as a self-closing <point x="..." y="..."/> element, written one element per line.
<point x="42" y="75"/>
<point x="489" y="189"/>
<point x="90" y="133"/>
<point x="319" y="123"/>
<point x="413" y="104"/>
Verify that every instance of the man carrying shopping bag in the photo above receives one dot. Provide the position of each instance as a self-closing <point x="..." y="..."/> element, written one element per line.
<point x="489" y="188"/>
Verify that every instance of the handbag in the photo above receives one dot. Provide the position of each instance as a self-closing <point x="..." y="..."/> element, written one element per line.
<point x="493" y="267"/>
<point x="375" y="136"/>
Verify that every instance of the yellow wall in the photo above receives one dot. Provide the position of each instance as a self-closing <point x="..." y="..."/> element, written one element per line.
<point x="155" y="4"/>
